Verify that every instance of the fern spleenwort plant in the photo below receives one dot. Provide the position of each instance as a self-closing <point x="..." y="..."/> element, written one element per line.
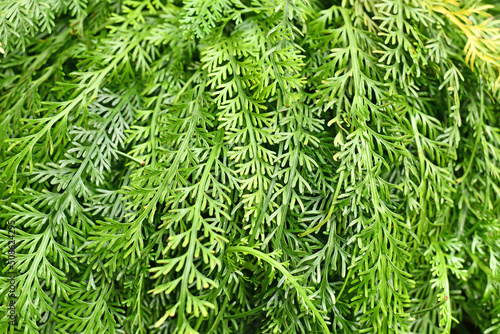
<point x="250" y="166"/>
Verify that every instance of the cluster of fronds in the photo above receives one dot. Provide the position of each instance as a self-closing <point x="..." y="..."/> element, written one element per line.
<point x="251" y="166"/>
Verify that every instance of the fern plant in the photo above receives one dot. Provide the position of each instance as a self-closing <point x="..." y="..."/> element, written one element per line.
<point x="250" y="166"/>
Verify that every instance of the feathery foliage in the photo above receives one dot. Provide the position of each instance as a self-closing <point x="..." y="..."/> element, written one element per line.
<point x="250" y="166"/>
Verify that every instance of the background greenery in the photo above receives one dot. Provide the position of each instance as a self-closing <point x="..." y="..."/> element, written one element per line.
<point x="251" y="166"/>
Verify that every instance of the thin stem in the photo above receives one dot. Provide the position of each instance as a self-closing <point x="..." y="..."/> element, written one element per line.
<point x="142" y="163"/>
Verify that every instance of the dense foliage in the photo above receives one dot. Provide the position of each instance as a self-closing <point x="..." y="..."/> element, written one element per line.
<point x="251" y="166"/>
